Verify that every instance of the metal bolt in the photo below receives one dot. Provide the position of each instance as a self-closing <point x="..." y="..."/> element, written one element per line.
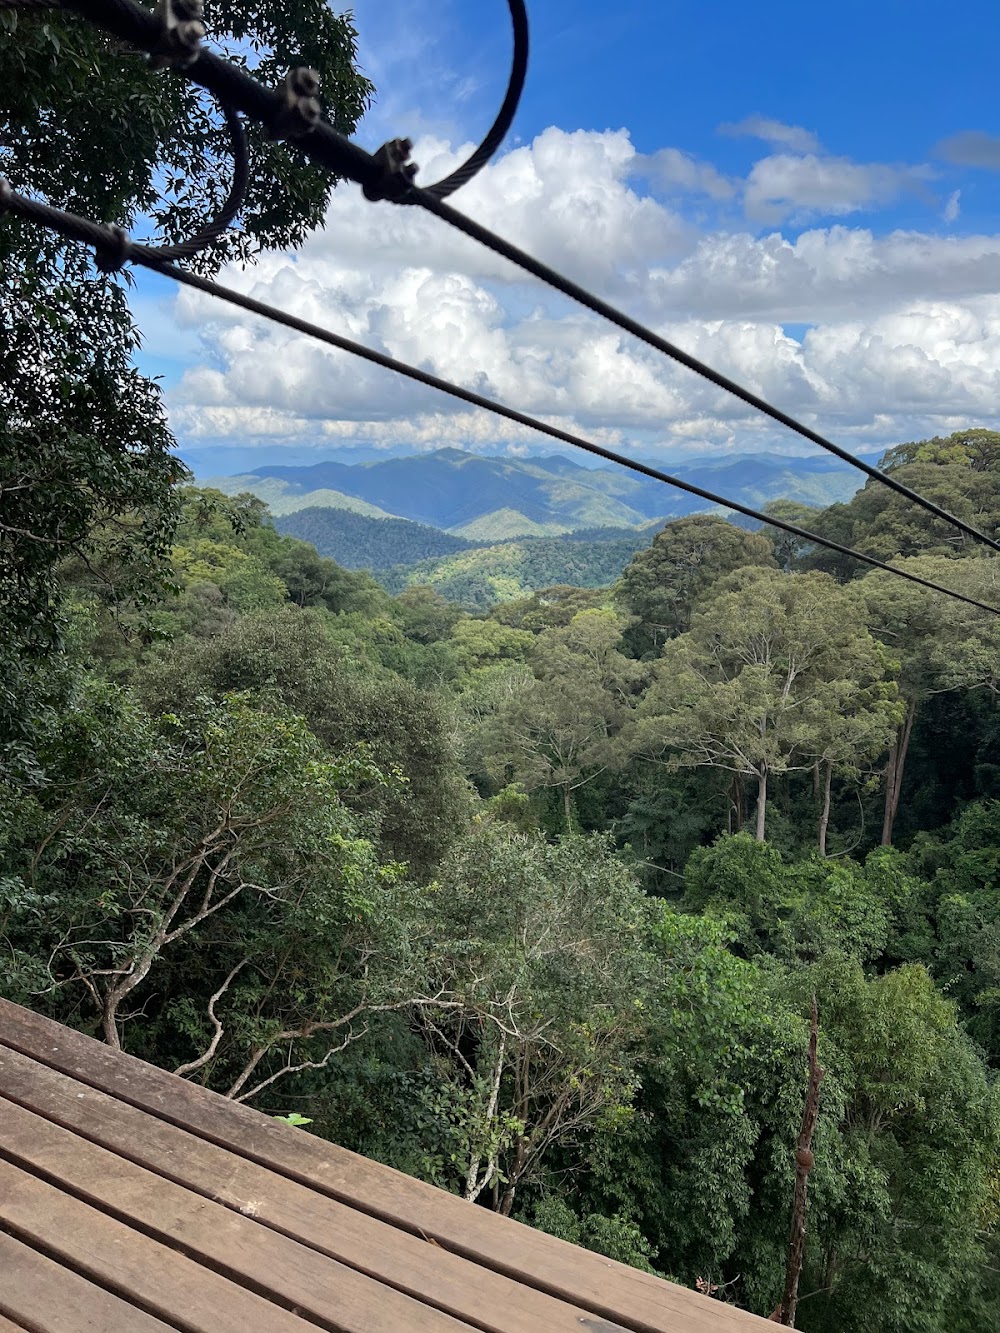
<point x="305" y="81"/>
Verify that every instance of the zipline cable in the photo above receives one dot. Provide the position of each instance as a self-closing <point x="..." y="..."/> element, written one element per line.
<point x="552" y="278"/>
<point x="211" y="231"/>
<point x="114" y="248"/>
<point x="388" y="175"/>
<point x="505" y="116"/>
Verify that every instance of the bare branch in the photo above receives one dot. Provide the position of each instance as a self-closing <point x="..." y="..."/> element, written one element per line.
<point x="289" y="1068"/>
<point x="803" y="1165"/>
<point x="209" y="1054"/>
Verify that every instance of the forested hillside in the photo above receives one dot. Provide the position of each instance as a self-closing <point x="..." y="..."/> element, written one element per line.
<point x="480" y="578"/>
<point x="401" y="554"/>
<point x="534" y="904"/>
<point x="359" y="542"/>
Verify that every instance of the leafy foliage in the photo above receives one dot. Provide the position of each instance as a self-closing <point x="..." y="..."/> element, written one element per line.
<point x="397" y="871"/>
<point x="85" y="461"/>
<point x="359" y="542"/>
<point x="664" y="583"/>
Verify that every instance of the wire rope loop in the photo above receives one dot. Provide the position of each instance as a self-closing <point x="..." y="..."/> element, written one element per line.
<point x="234" y="201"/>
<point x="396" y="178"/>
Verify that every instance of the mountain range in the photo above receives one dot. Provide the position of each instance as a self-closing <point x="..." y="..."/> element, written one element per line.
<point x="484" y="499"/>
<point x="483" y="529"/>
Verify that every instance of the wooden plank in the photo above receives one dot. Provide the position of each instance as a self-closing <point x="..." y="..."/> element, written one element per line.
<point x="45" y="1298"/>
<point x="229" y="1242"/>
<point x="167" y="1285"/>
<point x="611" y="1290"/>
<point x="487" y="1300"/>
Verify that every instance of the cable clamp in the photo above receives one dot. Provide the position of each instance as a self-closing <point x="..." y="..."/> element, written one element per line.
<point x="114" y="252"/>
<point x="396" y="172"/>
<point x="300" y="109"/>
<point x="181" y="33"/>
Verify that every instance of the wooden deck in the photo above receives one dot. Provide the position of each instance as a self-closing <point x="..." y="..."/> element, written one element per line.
<point x="134" y="1201"/>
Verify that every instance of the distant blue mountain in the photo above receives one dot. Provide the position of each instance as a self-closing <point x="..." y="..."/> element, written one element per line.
<point x="451" y="489"/>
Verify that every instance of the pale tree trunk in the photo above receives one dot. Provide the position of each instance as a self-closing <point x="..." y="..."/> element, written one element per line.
<point x="567" y="808"/>
<point x="761" y="802"/>
<point x="824" y="817"/>
<point x="476" y="1179"/>
<point x="113" y="999"/>
<point x="894" y="773"/>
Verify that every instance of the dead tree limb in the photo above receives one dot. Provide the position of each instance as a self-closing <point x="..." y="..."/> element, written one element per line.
<point x="803" y="1165"/>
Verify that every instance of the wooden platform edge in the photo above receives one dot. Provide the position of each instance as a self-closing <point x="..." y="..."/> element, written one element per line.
<point x="389" y="1255"/>
<point x="603" y="1287"/>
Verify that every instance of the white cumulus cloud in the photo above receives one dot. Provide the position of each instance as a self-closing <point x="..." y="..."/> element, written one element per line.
<point x="786" y="186"/>
<point x="902" y="331"/>
<point x="774" y="132"/>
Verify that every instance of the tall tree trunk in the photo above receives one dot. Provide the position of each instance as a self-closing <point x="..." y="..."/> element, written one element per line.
<point x="734" y="814"/>
<point x="894" y="773"/>
<point x="824" y="817"/>
<point x="890" y="790"/>
<point x="514" y="1175"/>
<point x="761" y="802"/>
<point x="803" y="1165"/>
<point x="567" y="809"/>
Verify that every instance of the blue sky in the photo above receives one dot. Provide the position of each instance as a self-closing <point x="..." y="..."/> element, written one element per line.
<point x="805" y="195"/>
<point x="882" y="82"/>
<point x="879" y="80"/>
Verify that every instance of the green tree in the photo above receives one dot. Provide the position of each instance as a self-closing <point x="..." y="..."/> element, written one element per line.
<point x="704" y="1166"/>
<point x="132" y="129"/>
<point x="788" y="549"/>
<point x="760" y="685"/>
<point x="961" y="865"/>
<point x="426" y="616"/>
<point x="85" y="461"/>
<point x="205" y="865"/>
<point x="559" y="730"/>
<point x="549" y="608"/>
<point x="975" y="448"/>
<point x="803" y="910"/>
<point x="886" y="525"/>
<point x="542" y="953"/>
<point x="898" y="1226"/>
<point x="289" y="656"/>
<point x="941" y="645"/>
<point x="85" y="465"/>
<point x="664" y="584"/>
<point x="484" y="643"/>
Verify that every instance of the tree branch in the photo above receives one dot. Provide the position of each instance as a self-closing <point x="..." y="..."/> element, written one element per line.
<point x="209" y="1054"/>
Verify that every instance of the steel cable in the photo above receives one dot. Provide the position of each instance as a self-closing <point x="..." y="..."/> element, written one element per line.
<point x="234" y="200"/>
<point x="505" y="116"/>
<point x="114" y="249"/>
<point x="324" y="145"/>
